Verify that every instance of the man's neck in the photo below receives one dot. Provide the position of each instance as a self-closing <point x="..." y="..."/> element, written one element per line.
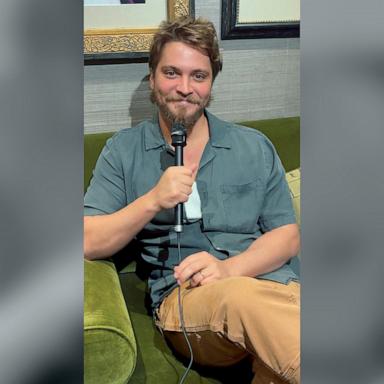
<point x="197" y="134"/>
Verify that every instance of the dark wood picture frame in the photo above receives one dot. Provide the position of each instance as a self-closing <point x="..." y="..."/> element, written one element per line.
<point x="232" y="29"/>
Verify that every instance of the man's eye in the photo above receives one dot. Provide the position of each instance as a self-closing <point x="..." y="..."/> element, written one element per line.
<point x="200" y="76"/>
<point x="170" y="73"/>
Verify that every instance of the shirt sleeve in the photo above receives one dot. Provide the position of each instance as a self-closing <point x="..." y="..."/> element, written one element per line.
<point x="277" y="207"/>
<point x="106" y="192"/>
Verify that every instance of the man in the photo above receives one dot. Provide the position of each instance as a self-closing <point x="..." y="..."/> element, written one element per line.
<point x="240" y="297"/>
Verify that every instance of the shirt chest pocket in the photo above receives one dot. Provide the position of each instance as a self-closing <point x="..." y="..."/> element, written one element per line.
<point x="242" y="205"/>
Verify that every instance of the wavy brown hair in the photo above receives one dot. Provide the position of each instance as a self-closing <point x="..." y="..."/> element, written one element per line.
<point x="196" y="33"/>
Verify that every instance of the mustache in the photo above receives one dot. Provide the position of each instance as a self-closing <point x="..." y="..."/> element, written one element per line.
<point x="189" y="99"/>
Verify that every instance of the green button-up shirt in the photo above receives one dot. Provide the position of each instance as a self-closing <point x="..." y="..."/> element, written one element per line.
<point x="242" y="188"/>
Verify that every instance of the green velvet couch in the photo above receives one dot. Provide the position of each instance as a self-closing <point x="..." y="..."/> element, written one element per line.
<point x="120" y="342"/>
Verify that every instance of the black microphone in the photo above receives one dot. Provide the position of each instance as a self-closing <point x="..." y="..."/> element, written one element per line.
<point x="179" y="136"/>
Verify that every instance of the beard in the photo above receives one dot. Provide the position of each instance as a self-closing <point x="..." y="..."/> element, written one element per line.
<point x="180" y="116"/>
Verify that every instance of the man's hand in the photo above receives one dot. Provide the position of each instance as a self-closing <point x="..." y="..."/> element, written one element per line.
<point x="174" y="186"/>
<point x="201" y="268"/>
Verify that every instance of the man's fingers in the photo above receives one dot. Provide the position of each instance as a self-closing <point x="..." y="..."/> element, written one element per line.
<point x="185" y="189"/>
<point x="191" y="265"/>
<point x="193" y="168"/>
<point x="181" y="170"/>
<point x="183" y="273"/>
<point x="207" y="280"/>
<point x="196" y="279"/>
<point x="202" y="278"/>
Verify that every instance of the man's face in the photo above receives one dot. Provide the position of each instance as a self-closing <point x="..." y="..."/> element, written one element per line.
<point x="181" y="84"/>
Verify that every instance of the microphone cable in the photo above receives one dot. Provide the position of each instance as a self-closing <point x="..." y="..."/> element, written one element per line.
<point x="179" y="136"/>
<point x="181" y="316"/>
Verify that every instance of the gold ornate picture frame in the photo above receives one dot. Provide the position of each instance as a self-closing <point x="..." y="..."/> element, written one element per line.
<point x="128" y="44"/>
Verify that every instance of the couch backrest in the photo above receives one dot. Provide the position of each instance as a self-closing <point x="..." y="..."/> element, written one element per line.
<point x="284" y="134"/>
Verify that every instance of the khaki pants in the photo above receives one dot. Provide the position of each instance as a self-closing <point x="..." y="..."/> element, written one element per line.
<point x="237" y="317"/>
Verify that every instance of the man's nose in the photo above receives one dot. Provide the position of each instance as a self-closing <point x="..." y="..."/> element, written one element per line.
<point x="184" y="86"/>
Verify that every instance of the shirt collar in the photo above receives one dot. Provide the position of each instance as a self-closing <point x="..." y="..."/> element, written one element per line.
<point x="218" y="132"/>
<point x="153" y="137"/>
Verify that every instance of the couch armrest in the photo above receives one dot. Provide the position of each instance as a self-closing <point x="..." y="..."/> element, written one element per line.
<point x="109" y="343"/>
